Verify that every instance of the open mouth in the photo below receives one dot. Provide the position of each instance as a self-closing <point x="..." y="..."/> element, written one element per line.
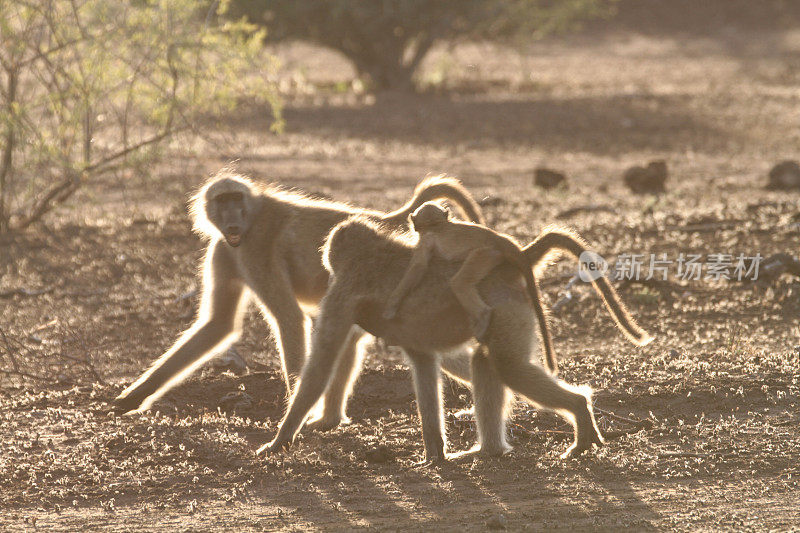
<point x="234" y="239"/>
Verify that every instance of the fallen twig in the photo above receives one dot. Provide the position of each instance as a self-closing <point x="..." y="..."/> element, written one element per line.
<point x="529" y="433"/>
<point x="697" y="228"/>
<point x="22" y="291"/>
<point x="26" y="375"/>
<point x="633" y="421"/>
<point x="617" y="433"/>
<point x="87" y="364"/>
<point x="666" y="455"/>
<point x="19" y="360"/>
<point x="44" y="326"/>
<point x="585" y="209"/>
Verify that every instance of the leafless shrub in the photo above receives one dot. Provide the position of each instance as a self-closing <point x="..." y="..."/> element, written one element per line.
<point x="65" y="355"/>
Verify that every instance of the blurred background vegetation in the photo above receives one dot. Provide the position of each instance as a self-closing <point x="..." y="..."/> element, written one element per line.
<point x="91" y="88"/>
<point x="386" y="41"/>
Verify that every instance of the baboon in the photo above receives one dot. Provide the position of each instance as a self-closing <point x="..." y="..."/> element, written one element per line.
<point x="264" y="243"/>
<point x="481" y="249"/>
<point x="366" y="263"/>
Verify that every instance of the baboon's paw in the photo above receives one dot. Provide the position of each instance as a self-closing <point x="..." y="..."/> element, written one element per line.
<point x="327" y="423"/>
<point x="580" y="446"/>
<point x="574" y="451"/>
<point x="125" y="404"/>
<point x="432" y="460"/>
<point x="275" y="446"/>
<point x="467" y="414"/>
<point x="484" y="451"/>
<point x="494" y="450"/>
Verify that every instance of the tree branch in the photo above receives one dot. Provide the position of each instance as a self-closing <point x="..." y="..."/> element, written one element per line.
<point x="66" y="187"/>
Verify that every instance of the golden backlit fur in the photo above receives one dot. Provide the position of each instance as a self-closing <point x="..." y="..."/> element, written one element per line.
<point x="481" y="249"/>
<point x="366" y="263"/>
<point x="274" y="261"/>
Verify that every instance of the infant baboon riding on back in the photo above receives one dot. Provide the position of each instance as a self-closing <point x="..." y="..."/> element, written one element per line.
<point x="481" y="249"/>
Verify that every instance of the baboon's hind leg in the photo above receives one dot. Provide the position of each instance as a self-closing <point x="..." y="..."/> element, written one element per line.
<point x="476" y="266"/>
<point x="427" y="385"/>
<point x="509" y="353"/>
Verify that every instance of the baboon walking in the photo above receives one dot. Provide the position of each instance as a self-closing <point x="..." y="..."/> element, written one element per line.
<point x="264" y="244"/>
<point x="366" y="263"/>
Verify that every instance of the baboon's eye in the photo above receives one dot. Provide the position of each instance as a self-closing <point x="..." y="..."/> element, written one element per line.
<point x="229" y="197"/>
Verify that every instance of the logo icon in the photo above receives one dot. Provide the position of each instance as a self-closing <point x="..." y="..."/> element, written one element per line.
<point x="591" y="266"/>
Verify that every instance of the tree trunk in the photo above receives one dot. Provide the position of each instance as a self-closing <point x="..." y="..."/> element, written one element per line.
<point x="387" y="67"/>
<point x="8" y="150"/>
<point x="386" y="76"/>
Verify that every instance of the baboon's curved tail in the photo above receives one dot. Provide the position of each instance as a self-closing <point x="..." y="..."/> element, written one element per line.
<point x="541" y="312"/>
<point x="437" y="188"/>
<point x="554" y="237"/>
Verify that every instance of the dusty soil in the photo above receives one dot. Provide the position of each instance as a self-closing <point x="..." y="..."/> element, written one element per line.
<point x="108" y="279"/>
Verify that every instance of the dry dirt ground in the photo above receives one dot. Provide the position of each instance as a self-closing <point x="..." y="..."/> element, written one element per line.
<point x="718" y="389"/>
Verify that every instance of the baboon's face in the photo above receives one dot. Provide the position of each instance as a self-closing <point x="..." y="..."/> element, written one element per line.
<point x="228" y="211"/>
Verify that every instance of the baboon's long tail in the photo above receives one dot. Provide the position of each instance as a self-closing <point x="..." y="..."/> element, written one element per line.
<point x="437" y="188"/>
<point x="564" y="239"/>
<point x="541" y="312"/>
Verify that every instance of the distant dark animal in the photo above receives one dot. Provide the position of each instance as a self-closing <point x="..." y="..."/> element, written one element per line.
<point x="548" y="179"/>
<point x="649" y="179"/>
<point x="784" y="176"/>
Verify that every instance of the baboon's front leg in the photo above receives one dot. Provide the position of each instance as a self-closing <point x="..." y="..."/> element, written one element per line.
<point x="332" y="328"/>
<point x="220" y="317"/>
<point x="335" y="401"/>
<point x="427" y="385"/>
<point x="289" y="324"/>
<point x="492" y="400"/>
